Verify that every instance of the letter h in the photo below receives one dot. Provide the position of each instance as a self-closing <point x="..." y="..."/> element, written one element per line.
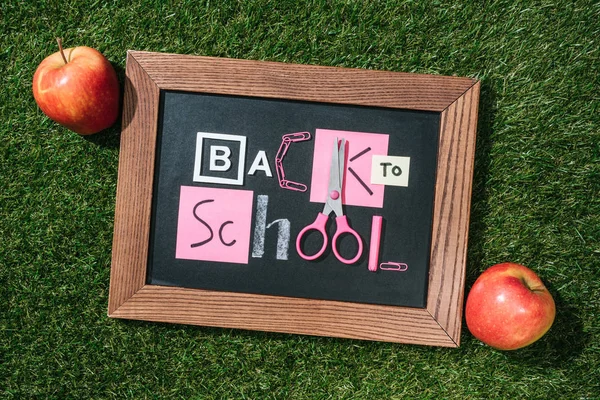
<point x="283" y="232"/>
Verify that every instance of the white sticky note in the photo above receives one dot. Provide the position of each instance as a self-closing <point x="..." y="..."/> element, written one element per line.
<point x="390" y="170"/>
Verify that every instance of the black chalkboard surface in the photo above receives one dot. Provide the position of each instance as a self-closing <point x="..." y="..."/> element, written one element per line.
<point x="221" y="221"/>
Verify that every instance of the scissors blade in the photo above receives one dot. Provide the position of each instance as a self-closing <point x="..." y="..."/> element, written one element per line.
<point x="342" y="163"/>
<point x="336" y="171"/>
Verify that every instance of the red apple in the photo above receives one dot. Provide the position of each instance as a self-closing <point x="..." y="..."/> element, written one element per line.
<point x="78" y="88"/>
<point x="509" y="307"/>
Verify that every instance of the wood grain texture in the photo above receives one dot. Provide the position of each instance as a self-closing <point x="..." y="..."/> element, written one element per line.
<point x="284" y="314"/>
<point x="134" y="186"/>
<point x="303" y="82"/>
<point x="456" y="156"/>
<point x="455" y="98"/>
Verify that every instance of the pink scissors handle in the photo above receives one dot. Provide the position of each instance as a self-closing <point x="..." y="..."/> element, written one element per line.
<point x="343" y="227"/>
<point x="318" y="225"/>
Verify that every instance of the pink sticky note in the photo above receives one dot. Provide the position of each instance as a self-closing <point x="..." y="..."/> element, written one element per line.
<point x="214" y="224"/>
<point x="358" y="189"/>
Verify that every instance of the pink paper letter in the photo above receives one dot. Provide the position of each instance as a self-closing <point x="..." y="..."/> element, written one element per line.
<point x="214" y="224"/>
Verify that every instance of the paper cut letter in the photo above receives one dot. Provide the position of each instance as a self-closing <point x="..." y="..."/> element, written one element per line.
<point x="359" y="190"/>
<point x="260" y="227"/>
<point x="260" y="163"/>
<point x="390" y="170"/>
<point x="220" y="154"/>
<point x="214" y="224"/>
<point x="223" y="161"/>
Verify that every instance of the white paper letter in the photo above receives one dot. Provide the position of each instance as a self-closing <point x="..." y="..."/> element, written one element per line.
<point x="390" y="170"/>
<point x="220" y="153"/>
<point x="260" y="163"/>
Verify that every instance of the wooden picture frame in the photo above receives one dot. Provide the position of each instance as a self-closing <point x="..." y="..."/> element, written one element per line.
<point x="456" y="99"/>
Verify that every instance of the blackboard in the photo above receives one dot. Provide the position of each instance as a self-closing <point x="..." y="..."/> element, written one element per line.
<point x="203" y="166"/>
<point x="406" y="211"/>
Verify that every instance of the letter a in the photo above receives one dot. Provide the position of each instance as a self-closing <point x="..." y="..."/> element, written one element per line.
<point x="260" y="163"/>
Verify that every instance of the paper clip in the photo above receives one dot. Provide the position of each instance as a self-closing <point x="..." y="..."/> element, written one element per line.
<point x="393" y="266"/>
<point x="283" y="148"/>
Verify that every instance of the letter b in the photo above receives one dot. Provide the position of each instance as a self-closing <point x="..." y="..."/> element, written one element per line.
<point x="219" y="154"/>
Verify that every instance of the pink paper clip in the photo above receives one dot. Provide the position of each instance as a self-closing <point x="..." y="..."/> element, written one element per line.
<point x="283" y="148"/>
<point x="393" y="266"/>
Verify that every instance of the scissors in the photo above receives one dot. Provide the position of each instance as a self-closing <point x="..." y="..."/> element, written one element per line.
<point x="332" y="204"/>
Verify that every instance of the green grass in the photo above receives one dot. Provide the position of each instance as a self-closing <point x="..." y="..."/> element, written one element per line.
<point x="536" y="200"/>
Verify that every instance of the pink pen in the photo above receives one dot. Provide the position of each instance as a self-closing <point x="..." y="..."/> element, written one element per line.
<point x="375" y="241"/>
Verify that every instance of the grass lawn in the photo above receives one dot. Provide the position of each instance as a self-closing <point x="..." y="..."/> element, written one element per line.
<point x="536" y="200"/>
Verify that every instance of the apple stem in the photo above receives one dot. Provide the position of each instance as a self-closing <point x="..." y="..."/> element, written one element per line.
<point x="62" y="53"/>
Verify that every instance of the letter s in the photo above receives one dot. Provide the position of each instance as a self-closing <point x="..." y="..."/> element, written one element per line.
<point x="203" y="223"/>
